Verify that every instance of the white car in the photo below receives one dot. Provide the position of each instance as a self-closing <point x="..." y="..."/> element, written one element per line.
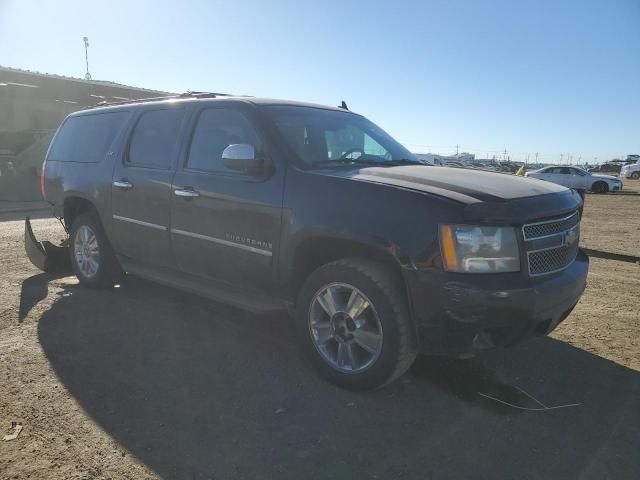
<point x="631" y="170"/>
<point x="573" y="177"/>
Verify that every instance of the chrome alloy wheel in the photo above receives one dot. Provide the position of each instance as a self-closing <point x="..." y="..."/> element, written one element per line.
<point x="86" y="252"/>
<point x="345" y="328"/>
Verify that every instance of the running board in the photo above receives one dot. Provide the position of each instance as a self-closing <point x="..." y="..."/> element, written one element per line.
<point x="246" y="301"/>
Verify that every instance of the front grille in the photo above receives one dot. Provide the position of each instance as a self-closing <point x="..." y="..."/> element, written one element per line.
<point x="550" y="227"/>
<point x="552" y="245"/>
<point x="552" y="260"/>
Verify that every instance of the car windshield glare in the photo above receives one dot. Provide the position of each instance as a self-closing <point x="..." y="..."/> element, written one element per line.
<point x="322" y="137"/>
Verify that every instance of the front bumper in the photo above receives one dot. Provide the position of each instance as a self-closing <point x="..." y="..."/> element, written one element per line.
<point x="459" y="314"/>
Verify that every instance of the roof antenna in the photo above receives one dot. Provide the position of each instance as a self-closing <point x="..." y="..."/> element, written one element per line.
<point x="343" y="105"/>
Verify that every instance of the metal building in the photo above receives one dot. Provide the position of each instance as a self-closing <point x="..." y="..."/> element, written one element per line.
<point x="32" y="105"/>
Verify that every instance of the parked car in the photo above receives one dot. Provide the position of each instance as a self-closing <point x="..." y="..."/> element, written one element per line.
<point x="454" y="164"/>
<point x="574" y="177"/>
<point x="286" y="206"/>
<point x="631" y="170"/>
<point x="606" y="167"/>
<point x="615" y="166"/>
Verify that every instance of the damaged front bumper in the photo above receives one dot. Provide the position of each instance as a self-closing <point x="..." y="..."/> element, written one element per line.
<point x="45" y="255"/>
<point x="458" y="314"/>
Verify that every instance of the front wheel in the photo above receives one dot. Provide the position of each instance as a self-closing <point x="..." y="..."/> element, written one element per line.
<point x="600" y="187"/>
<point x="635" y="175"/>
<point x="353" y="320"/>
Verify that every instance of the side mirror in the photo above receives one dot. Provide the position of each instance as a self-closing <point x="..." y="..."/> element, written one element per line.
<point x="242" y="158"/>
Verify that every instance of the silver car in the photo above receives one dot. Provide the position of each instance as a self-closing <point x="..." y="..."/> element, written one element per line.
<point x="631" y="170"/>
<point x="574" y="177"/>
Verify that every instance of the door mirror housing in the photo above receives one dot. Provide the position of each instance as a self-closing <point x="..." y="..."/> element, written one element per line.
<point x="241" y="157"/>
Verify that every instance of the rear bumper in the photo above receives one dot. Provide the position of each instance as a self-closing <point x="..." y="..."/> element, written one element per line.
<point x="45" y="255"/>
<point x="457" y="314"/>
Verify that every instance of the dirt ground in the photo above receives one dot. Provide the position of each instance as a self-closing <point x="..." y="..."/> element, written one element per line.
<point x="606" y="322"/>
<point x="146" y="382"/>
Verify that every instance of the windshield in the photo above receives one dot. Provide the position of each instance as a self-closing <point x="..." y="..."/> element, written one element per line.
<point x="320" y="137"/>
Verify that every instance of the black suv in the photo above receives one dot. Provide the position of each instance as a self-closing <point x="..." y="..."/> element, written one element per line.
<point x="277" y="205"/>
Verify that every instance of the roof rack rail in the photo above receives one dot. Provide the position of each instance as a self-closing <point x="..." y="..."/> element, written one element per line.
<point x="189" y="94"/>
<point x="205" y="94"/>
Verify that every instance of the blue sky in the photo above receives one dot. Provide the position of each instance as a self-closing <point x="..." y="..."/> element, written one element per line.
<point x="556" y="77"/>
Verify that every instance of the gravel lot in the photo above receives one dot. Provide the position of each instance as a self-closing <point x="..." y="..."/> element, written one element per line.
<point x="146" y="382"/>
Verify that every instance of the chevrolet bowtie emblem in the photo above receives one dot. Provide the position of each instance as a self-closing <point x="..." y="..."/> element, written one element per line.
<point x="570" y="237"/>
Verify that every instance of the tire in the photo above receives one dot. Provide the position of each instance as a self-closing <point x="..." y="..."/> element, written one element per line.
<point x="383" y="309"/>
<point x="600" y="187"/>
<point x="106" y="272"/>
<point x="635" y="175"/>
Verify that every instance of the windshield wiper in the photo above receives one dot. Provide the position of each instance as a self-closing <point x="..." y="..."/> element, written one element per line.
<point x="348" y="161"/>
<point x="403" y="161"/>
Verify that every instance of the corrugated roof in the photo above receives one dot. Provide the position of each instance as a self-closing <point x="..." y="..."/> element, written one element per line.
<point x="81" y="80"/>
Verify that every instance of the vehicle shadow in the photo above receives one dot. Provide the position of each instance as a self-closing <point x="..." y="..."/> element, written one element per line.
<point x="196" y="389"/>
<point x="32" y="291"/>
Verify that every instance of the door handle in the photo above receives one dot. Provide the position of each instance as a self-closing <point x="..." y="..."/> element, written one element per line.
<point x="186" y="192"/>
<point x="122" y="184"/>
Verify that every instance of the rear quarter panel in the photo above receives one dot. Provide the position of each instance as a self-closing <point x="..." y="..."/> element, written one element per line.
<point x="88" y="180"/>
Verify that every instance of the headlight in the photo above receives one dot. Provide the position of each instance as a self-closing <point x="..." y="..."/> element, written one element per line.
<point x="476" y="249"/>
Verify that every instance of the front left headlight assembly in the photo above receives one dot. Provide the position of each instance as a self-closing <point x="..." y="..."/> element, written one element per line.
<point x="479" y="249"/>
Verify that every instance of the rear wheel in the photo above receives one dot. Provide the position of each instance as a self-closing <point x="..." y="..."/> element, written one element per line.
<point x="353" y="320"/>
<point x="92" y="257"/>
<point x="600" y="187"/>
<point x="635" y="175"/>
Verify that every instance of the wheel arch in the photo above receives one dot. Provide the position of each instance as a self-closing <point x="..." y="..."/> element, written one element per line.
<point x="315" y="251"/>
<point x="75" y="205"/>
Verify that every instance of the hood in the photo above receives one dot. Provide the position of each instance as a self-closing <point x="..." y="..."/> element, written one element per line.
<point x="604" y="177"/>
<point x="463" y="185"/>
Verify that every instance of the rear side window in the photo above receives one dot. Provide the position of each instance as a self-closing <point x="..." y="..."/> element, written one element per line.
<point x="216" y="129"/>
<point x="155" y="138"/>
<point x="558" y="170"/>
<point x="86" y="138"/>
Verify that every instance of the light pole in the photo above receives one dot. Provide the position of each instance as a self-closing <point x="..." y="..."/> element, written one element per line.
<point x="87" y="76"/>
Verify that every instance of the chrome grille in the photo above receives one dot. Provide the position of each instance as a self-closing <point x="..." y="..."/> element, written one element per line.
<point x="550" y="227"/>
<point x="552" y="260"/>
<point x="552" y="245"/>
